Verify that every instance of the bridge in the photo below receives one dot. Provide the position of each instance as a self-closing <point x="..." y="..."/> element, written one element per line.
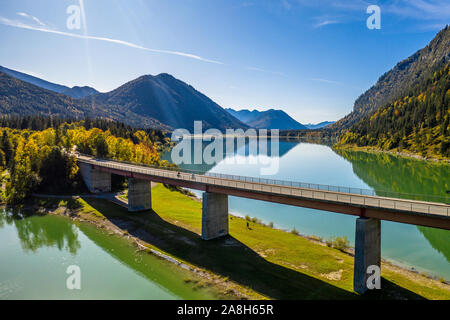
<point x="369" y="209"/>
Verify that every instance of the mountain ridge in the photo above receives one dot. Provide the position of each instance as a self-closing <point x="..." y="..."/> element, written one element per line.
<point x="319" y="125"/>
<point x="161" y="102"/>
<point x="396" y="82"/>
<point x="74" y="92"/>
<point x="182" y="103"/>
<point x="269" y="119"/>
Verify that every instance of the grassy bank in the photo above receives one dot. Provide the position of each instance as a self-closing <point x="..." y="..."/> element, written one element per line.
<point x="258" y="261"/>
<point x="395" y="152"/>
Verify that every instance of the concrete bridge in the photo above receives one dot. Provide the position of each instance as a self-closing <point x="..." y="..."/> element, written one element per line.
<point x="369" y="209"/>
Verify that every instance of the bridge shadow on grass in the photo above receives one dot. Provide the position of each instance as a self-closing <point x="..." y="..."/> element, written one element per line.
<point x="230" y="258"/>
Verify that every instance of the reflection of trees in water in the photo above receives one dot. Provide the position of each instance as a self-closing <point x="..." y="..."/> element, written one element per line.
<point x="36" y="232"/>
<point x="3" y="219"/>
<point x="245" y="150"/>
<point x="7" y="218"/>
<point x="439" y="240"/>
<point x="386" y="172"/>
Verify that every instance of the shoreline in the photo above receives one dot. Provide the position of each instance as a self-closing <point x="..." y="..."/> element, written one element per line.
<point x="223" y="287"/>
<point x="375" y="150"/>
<point x="351" y="252"/>
<point x="234" y="290"/>
<point x="119" y="199"/>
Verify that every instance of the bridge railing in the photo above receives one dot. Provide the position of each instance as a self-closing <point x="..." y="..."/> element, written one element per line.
<point x="341" y="189"/>
<point x="306" y="185"/>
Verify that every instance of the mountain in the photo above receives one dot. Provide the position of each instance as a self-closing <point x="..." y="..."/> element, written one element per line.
<point x="270" y="119"/>
<point x="75" y="92"/>
<point x="417" y="122"/>
<point x="169" y="100"/>
<point x="244" y="115"/>
<point x="22" y="98"/>
<point x="319" y="125"/>
<point x="160" y="102"/>
<point x="396" y="83"/>
<point x="80" y="92"/>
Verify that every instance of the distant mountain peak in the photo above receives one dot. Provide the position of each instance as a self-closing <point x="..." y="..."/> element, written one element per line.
<point x="269" y="119"/>
<point x="170" y="101"/>
<point x="319" y="125"/>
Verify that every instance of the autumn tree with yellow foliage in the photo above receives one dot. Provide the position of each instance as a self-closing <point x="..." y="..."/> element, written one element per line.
<point x="42" y="161"/>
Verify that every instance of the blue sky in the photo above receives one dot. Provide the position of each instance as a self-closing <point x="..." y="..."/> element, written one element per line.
<point x="309" y="58"/>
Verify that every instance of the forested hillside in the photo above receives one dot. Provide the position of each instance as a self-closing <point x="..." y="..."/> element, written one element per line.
<point x="418" y="122"/>
<point x="39" y="160"/>
<point x="397" y="82"/>
<point x="160" y="102"/>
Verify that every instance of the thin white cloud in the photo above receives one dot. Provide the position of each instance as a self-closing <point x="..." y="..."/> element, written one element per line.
<point x="328" y="19"/>
<point x="432" y="11"/>
<point x="39" y="22"/>
<point x="18" y="24"/>
<point x="325" y="23"/>
<point x="265" y="71"/>
<point x="420" y="9"/>
<point x="415" y="9"/>
<point x="326" y="81"/>
<point x="333" y="82"/>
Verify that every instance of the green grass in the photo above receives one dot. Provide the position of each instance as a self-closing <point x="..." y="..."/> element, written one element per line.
<point x="261" y="260"/>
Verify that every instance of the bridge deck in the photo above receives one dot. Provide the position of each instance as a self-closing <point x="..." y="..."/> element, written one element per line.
<point x="393" y="209"/>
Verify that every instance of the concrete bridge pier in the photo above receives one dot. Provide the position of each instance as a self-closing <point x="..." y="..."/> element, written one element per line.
<point x="214" y="215"/>
<point x="367" y="251"/>
<point x="96" y="180"/>
<point x="139" y="195"/>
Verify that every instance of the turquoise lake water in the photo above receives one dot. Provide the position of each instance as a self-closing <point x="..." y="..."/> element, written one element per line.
<point x="36" y="252"/>
<point x="425" y="249"/>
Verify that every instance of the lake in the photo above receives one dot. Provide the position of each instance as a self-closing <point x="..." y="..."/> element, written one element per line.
<point x="425" y="249"/>
<point x="36" y="251"/>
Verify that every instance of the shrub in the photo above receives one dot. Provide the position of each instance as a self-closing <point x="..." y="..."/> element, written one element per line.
<point x="271" y="224"/>
<point x="341" y="243"/>
<point x="256" y="220"/>
<point x="295" y="231"/>
<point x="62" y="203"/>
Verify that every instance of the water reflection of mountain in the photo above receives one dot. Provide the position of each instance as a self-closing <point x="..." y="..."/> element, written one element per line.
<point x="37" y="232"/>
<point x="247" y="149"/>
<point x="386" y="172"/>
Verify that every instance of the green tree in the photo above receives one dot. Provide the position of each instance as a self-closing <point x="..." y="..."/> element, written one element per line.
<point x="6" y="147"/>
<point x="2" y="161"/>
<point x="58" y="171"/>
